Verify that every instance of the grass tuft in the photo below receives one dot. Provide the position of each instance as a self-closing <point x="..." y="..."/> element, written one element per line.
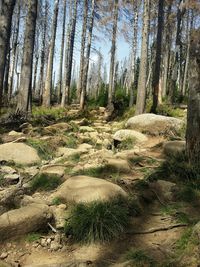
<point x="45" y="182"/>
<point x="139" y="258"/>
<point x="32" y="237"/>
<point x="97" y="221"/>
<point x="127" y="144"/>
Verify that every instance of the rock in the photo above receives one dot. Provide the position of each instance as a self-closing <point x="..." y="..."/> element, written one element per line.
<point x="20" y="153"/>
<point x="43" y="242"/>
<point x="7" y="170"/>
<point x="86" y="189"/>
<point x="58" y="127"/>
<point x="155" y="124"/>
<point x="27" y="200"/>
<point x="102" y="109"/>
<point x="59" y="213"/>
<point x="14" y="133"/>
<point x="82" y="122"/>
<point x="12" y="178"/>
<point x="84" y="147"/>
<point x="53" y="169"/>
<point x="172" y="148"/>
<point x="4" y="264"/>
<point x="164" y="189"/>
<point x="3" y="255"/>
<point x="122" y="135"/>
<point x="118" y="165"/>
<point x="55" y="246"/>
<point x="24" y="220"/>
<point x="66" y="152"/>
<point x="86" y="129"/>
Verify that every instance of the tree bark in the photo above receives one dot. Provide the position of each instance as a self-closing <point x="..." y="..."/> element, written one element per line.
<point x="87" y="59"/>
<point x="193" y="117"/>
<point x="49" y="76"/>
<point x="83" y="39"/>
<point x="141" y="91"/>
<point x="156" y="73"/>
<point x="62" y="54"/>
<point x="69" y="57"/>
<point x="113" y="51"/>
<point x="27" y="61"/>
<point x="6" y="12"/>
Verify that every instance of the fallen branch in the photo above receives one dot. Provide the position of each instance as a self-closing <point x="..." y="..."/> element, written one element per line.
<point x="153" y="230"/>
<point x="52" y="228"/>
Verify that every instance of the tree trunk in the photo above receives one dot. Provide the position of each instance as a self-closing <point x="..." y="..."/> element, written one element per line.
<point x="87" y="59"/>
<point x="43" y="53"/>
<point x="134" y="53"/>
<point x="6" y="12"/>
<point x="113" y="51"/>
<point x="61" y="54"/>
<point x="193" y="117"/>
<point x="14" y="52"/>
<point x="156" y="73"/>
<point x="69" y="57"/>
<point x="49" y="76"/>
<point x="27" y="61"/>
<point x="141" y="91"/>
<point x="83" y="39"/>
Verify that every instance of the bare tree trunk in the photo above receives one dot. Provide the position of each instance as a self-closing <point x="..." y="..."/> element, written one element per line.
<point x="14" y="52"/>
<point x="134" y="53"/>
<point x="113" y="51"/>
<point x="62" y="54"/>
<point x="193" y="117"/>
<point x="35" y="74"/>
<point x="27" y="62"/>
<point x="187" y="55"/>
<point x="156" y="73"/>
<point x="43" y="53"/>
<point x="141" y="92"/>
<point x="69" y="57"/>
<point x="99" y="79"/>
<point x="83" y="39"/>
<point x="48" y="81"/>
<point x="87" y="59"/>
<point x="6" y="12"/>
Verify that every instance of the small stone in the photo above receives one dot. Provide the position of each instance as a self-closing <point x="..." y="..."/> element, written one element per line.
<point x="43" y="242"/>
<point x="8" y="170"/>
<point x="12" y="178"/>
<point x="49" y="241"/>
<point x="55" y="246"/>
<point x="4" y="255"/>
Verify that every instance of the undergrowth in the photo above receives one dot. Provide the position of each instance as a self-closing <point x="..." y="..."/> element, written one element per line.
<point x="139" y="258"/>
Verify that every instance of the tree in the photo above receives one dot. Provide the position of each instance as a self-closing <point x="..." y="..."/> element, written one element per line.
<point x="141" y="91"/>
<point x="24" y="95"/>
<point x="113" y="51"/>
<point x="82" y="57"/>
<point x="49" y="76"/>
<point x="193" y="117"/>
<point x="6" y="12"/>
<point x="156" y="73"/>
<point x="87" y="59"/>
<point x="62" y="53"/>
<point x="69" y="56"/>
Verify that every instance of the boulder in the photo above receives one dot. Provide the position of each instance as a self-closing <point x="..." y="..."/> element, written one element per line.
<point x="122" y="135"/>
<point x="14" y="133"/>
<point x="118" y="165"/>
<point x="66" y="152"/>
<point x="53" y="169"/>
<point x="155" y="124"/>
<point x="87" y="189"/>
<point x="20" y="153"/>
<point x="174" y="147"/>
<point x="57" y="127"/>
<point x="24" y="220"/>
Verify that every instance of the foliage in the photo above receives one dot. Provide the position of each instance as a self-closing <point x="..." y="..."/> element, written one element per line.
<point x="168" y="110"/>
<point x="44" y="149"/>
<point x="71" y="142"/>
<point x="56" y="201"/>
<point x="139" y="258"/>
<point x="75" y="158"/>
<point x="53" y="114"/>
<point x="101" y="100"/>
<point x="45" y="182"/>
<point x="97" y="221"/>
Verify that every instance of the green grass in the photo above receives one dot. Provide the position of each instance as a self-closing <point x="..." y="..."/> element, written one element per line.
<point x="45" y="150"/>
<point x="97" y="221"/>
<point x="71" y="142"/>
<point x="182" y="243"/>
<point x="139" y="258"/>
<point x="56" y="201"/>
<point x="187" y="194"/>
<point x="32" y="237"/>
<point x="127" y="144"/>
<point x="75" y="158"/>
<point x="45" y="182"/>
<point x="55" y="113"/>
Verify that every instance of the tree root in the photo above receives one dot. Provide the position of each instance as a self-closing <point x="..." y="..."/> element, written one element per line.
<point x="153" y="230"/>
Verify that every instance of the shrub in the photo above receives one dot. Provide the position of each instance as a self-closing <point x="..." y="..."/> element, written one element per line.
<point x="45" y="182"/>
<point x="140" y="258"/>
<point x="56" y="201"/>
<point x="97" y="221"/>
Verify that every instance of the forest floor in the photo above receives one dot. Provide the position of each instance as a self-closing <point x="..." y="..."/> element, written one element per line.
<point x="162" y="234"/>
